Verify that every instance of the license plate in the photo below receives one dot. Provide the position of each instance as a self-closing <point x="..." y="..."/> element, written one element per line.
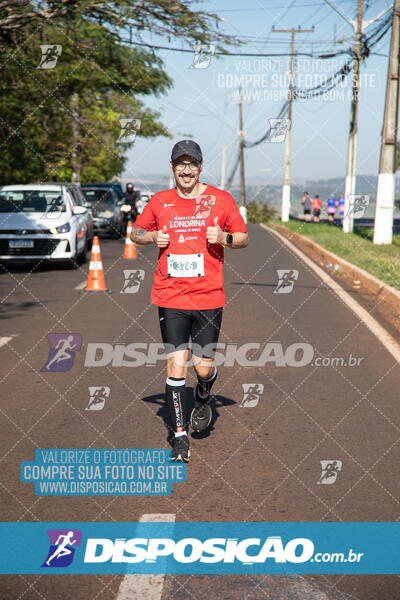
<point x="20" y="243"/>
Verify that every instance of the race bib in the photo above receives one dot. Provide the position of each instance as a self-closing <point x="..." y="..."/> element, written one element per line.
<point x="185" y="265"/>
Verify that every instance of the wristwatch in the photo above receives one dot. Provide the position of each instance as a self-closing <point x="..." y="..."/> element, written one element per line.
<point x="229" y="239"/>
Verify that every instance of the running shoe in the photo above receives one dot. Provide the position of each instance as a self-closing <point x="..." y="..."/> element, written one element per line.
<point x="201" y="415"/>
<point x="180" y="449"/>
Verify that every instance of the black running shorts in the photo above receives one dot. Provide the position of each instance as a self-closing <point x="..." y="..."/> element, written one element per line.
<point x="202" y="326"/>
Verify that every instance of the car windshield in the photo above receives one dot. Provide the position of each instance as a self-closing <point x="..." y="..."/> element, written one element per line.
<point x="29" y="201"/>
<point x="103" y="196"/>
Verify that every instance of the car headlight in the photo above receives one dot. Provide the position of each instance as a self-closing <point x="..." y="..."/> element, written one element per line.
<point x="61" y="229"/>
<point x="106" y="214"/>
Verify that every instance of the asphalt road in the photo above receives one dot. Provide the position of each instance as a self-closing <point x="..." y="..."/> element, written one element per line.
<point x="258" y="463"/>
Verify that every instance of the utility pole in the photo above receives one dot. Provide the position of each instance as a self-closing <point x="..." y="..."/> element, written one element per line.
<point x="387" y="166"/>
<point x="359" y="26"/>
<point x="350" y="186"/>
<point x="242" y="202"/>
<point x="223" y="166"/>
<point x="288" y="147"/>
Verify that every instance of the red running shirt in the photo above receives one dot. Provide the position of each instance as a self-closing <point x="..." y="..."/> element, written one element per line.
<point x="189" y="270"/>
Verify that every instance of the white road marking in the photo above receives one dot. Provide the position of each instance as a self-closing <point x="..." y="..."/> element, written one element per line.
<point x="5" y="340"/>
<point x="81" y="285"/>
<point x="383" y="336"/>
<point x="144" y="587"/>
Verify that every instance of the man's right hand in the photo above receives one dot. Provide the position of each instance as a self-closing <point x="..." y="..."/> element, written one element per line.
<point x="162" y="239"/>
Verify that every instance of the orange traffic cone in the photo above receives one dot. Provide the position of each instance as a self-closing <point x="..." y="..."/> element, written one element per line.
<point x="130" y="247"/>
<point x="96" y="282"/>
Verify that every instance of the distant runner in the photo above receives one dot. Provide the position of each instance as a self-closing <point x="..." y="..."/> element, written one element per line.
<point x="331" y="203"/>
<point x="341" y="206"/>
<point x="190" y="224"/>
<point x="316" y="205"/>
<point x="306" y="202"/>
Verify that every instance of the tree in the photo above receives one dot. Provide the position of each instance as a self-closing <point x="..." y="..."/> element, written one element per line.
<point x="259" y="212"/>
<point x="162" y="17"/>
<point x="63" y="122"/>
<point x="93" y="85"/>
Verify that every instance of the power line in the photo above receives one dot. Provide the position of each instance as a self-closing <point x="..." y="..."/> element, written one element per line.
<point x="250" y="54"/>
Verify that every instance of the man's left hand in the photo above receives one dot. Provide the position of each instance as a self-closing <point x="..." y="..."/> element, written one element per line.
<point x="214" y="233"/>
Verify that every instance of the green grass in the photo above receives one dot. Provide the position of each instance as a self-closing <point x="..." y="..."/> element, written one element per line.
<point x="357" y="248"/>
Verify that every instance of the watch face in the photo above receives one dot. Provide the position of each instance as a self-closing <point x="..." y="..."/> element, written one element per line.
<point x="229" y="238"/>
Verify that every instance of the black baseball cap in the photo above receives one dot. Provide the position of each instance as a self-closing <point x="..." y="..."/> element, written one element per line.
<point x="188" y="147"/>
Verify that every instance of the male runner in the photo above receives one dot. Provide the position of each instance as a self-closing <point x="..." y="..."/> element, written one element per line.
<point x="306" y="202"/>
<point x="316" y="204"/>
<point x="190" y="224"/>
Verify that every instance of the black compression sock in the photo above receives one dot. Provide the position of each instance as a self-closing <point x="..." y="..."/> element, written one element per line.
<point x="175" y="395"/>
<point x="205" y="385"/>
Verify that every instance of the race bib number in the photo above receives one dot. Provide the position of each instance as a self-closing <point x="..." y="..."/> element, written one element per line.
<point x="185" y="265"/>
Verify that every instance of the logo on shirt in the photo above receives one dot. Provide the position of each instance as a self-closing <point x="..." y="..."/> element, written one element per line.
<point x="203" y="206"/>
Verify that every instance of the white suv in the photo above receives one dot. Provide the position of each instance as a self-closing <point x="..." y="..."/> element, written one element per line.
<point x="44" y="222"/>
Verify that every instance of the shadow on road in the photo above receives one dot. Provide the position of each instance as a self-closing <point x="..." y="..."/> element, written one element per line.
<point x="8" y="310"/>
<point x="273" y="285"/>
<point x="217" y="403"/>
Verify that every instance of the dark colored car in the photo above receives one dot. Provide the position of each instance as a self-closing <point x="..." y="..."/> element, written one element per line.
<point x="106" y="208"/>
<point x="117" y="187"/>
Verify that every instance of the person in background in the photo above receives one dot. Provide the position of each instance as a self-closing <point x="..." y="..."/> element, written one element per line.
<point x="341" y="206"/>
<point x="306" y="202"/>
<point x="316" y="205"/>
<point x="331" y="203"/>
<point x="130" y="198"/>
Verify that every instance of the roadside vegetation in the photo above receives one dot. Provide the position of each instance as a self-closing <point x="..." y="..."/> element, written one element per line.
<point x="357" y="248"/>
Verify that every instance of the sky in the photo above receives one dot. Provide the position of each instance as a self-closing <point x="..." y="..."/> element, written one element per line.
<point x="202" y="103"/>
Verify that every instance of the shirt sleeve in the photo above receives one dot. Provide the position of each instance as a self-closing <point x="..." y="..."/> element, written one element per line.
<point x="234" y="222"/>
<point x="147" y="219"/>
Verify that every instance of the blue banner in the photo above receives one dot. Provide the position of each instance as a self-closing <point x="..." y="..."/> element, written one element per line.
<point x="200" y="548"/>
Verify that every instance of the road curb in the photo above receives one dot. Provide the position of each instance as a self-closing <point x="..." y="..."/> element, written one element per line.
<point x="374" y="286"/>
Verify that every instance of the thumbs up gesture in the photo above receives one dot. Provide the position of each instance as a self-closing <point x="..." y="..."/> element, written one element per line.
<point x="214" y="233"/>
<point x="162" y="240"/>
